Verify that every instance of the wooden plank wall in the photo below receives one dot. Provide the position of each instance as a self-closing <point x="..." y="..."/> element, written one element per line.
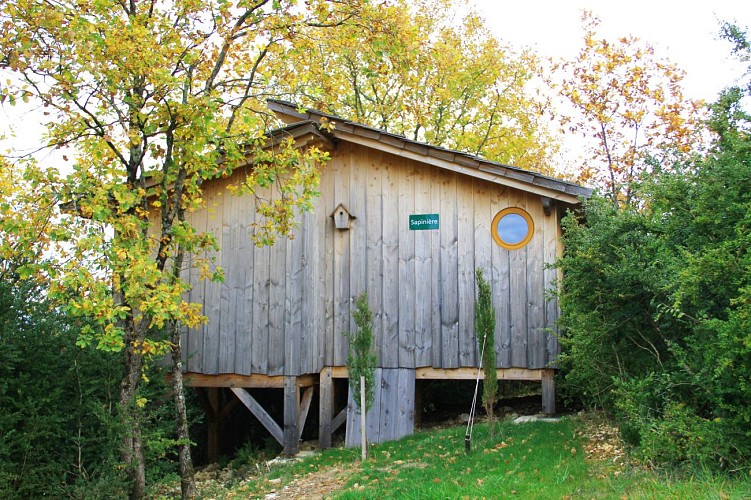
<point x="392" y="415"/>
<point x="282" y="310"/>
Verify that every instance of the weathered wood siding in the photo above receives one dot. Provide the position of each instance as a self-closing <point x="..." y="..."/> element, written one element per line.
<point x="282" y="310"/>
<point x="392" y="414"/>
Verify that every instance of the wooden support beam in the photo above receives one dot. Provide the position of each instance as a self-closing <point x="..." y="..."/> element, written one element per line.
<point x="307" y="397"/>
<point x="469" y="373"/>
<point x="291" y="437"/>
<point x="255" y="381"/>
<point x="465" y="373"/>
<point x="548" y="392"/>
<point x="325" y="408"/>
<point x="261" y="414"/>
<point x="337" y="421"/>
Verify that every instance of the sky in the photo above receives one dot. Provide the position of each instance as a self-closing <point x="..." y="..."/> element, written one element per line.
<point x="685" y="32"/>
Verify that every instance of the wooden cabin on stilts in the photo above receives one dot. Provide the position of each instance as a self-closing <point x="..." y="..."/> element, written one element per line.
<point x="405" y="221"/>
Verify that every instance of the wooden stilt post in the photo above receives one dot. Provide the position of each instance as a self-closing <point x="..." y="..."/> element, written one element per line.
<point x="325" y="408"/>
<point x="212" y="447"/>
<point x="291" y="416"/>
<point x="548" y="392"/>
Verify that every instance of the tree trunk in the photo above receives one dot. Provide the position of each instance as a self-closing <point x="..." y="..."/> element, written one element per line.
<point x="187" y="481"/>
<point x="491" y="417"/>
<point x="130" y="416"/>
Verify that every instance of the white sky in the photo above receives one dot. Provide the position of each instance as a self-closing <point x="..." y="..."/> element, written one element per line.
<point x="685" y="32"/>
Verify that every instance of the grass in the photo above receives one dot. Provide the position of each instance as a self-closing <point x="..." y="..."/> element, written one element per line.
<point x="532" y="460"/>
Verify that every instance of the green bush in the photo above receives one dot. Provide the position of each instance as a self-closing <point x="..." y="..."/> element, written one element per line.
<point x="59" y="431"/>
<point x="57" y="404"/>
<point x="656" y="305"/>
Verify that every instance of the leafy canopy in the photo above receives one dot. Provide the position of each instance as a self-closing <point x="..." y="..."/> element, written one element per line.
<point x="427" y="71"/>
<point x="629" y="107"/>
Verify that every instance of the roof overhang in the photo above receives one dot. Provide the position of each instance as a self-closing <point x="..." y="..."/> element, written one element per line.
<point x="455" y="161"/>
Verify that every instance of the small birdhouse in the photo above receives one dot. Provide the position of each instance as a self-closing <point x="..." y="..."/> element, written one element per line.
<point x="342" y="217"/>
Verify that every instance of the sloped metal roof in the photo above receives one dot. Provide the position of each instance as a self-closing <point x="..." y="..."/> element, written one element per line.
<point x="458" y="161"/>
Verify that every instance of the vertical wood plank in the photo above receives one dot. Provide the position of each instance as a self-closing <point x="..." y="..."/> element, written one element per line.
<point x="518" y="287"/>
<point x="352" y="430"/>
<point x="315" y="299"/>
<point x="358" y="239"/>
<point x="449" y="282"/>
<point x="277" y="303"/>
<point x="193" y="348"/>
<point x="330" y="177"/>
<point x="375" y="413"/>
<point x="405" y="404"/>
<point x="466" y="270"/>
<point x="390" y="174"/>
<point x="424" y="283"/>
<point x="536" y="336"/>
<point x="483" y="248"/>
<point x="374" y="249"/>
<point x="293" y="287"/>
<point x="501" y="285"/>
<point x="407" y="282"/>
<point x="212" y="304"/>
<point x="388" y="396"/>
<point x="246" y="262"/>
<point x="436" y="292"/>
<point x="260" y="323"/>
<point x="227" y="316"/>
<point x="343" y="264"/>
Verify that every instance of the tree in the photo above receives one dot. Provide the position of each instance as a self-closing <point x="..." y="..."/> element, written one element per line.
<point x="155" y="97"/>
<point x="361" y="362"/>
<point x="629" y="106"/>
<point x="422" y="70"/>
<point x="485" y="333"/>
<point x="656" y="304"/>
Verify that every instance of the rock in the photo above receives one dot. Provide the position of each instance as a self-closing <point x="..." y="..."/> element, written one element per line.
<point x="534" y="418"/>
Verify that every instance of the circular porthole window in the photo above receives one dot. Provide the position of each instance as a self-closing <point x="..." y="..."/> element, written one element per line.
<point x="512" y="228"/>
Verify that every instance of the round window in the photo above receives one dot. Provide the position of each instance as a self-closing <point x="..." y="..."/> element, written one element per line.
<point x="512" y="228"/>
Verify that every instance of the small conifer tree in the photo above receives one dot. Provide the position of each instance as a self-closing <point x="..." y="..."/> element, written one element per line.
<point x="361" y="361"/>
<point x="485" y="332"/>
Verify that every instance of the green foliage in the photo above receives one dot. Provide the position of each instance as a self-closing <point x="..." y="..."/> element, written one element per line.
<point x="361" y="361"/>
<point x="485" y="333"/>
<point x="59" y="431"/>
<point x="656" y="305"/>
<point x="57" y="405"/>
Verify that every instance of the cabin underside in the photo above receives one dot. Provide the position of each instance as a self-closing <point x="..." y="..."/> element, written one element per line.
<point x="393" y="415"/>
